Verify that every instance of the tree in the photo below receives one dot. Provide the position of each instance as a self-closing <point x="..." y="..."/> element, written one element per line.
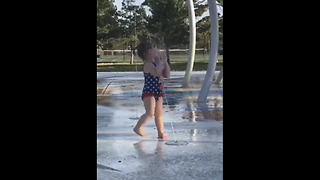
<point x="200" y="7"/>
<point x="203" y="33"/>
<point x="133" y="25"/>
<point x="107" y="25"/>
<point x="203" y="30"/>
<point x="168" y="22"/>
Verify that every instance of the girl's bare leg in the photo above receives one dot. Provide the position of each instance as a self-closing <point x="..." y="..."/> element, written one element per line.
<point x="149" y="104"/>
<point x="158" y="119"/>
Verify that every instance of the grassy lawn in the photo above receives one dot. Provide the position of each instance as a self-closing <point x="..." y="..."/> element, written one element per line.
<point x="175" y="66"/>
<point x="174" y="58"/>
<point x="178" y="63"/>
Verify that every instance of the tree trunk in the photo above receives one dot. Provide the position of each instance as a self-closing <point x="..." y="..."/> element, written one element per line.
<point x="123" y="52"/>
<point x="131" y="57"/>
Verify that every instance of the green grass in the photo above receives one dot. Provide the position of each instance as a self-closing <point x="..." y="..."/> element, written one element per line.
<point x="173" y="58"/>
<point x="119" y="63"/>
<point x="175" y="66"/>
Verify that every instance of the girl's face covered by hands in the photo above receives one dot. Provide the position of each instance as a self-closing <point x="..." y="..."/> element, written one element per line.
<point x="157" y="56"/>
<point x="154" y="54"/>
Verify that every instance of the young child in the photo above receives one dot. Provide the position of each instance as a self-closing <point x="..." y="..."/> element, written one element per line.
<point x="155" y="69"/>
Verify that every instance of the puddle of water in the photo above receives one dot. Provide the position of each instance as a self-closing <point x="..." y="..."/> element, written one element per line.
<point x="180" y="103"/>
<point x="105" y="101"/>
<point x="176" y="143"/>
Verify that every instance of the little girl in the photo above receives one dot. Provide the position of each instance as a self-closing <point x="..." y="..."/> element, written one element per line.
<point x="155" y="69"/>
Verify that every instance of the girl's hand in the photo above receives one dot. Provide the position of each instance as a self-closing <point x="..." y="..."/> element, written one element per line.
<point x="160" y="66"/>
<point x="166" y="69"/>
<point x="159" y="63"/>
<point x="162" y="58"/>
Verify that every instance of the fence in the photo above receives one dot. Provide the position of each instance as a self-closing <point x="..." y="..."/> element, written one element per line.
<point x="176" y="55"/>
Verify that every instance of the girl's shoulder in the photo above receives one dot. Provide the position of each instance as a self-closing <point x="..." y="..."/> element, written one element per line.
<point x="148" y="67"/>
<point x="150" y="63"/>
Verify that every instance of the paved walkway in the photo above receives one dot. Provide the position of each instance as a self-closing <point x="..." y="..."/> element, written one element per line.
<point x="124" y="155"/>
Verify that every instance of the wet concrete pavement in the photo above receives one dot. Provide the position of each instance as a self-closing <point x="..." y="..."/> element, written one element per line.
<point x="124" y="155"/>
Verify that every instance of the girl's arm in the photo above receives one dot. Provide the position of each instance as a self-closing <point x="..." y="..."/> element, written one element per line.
<point x="166" y="71"/>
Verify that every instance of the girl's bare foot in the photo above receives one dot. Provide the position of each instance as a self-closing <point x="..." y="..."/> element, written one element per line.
<point x="140" y="132"/>
<point x="162" y="136"/>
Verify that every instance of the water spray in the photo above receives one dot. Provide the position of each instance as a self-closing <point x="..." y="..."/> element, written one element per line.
<point x="175" y="142"/>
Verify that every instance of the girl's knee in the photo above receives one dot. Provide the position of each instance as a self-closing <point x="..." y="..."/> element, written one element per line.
<point x="149" y="115"/>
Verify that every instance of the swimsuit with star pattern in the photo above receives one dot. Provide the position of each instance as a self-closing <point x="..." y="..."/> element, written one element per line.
<point x="152" y="86"/>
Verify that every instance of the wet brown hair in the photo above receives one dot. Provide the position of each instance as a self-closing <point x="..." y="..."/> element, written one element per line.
<point x="143" y="49"/>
